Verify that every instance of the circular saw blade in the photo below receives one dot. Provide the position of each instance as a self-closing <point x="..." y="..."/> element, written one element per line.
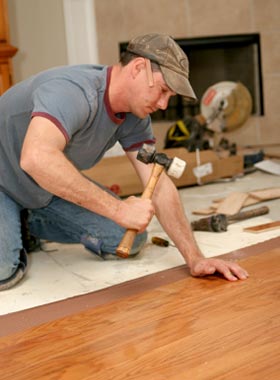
<point x="229" y="102"/>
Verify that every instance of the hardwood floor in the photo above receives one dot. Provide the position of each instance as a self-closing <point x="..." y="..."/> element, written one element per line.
<point x="194" y="329"/>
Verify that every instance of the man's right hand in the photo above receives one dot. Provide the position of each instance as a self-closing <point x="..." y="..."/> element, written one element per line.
<point x="135" y="213"/>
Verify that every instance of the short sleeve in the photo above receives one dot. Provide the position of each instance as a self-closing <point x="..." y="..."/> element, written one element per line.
<point x="135" y="132"/>
<point x="64" y="103"/>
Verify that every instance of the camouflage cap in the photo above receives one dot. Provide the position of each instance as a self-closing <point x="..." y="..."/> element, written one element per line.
<point x="174" y="63"/>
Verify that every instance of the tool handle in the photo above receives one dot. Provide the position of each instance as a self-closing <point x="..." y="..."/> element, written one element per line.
<point x="248" y="214"/>
<point x="127" y="241"/>
<point x="153" y="180"/>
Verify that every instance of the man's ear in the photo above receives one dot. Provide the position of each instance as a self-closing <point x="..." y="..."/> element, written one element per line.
<point x="137" y="65"/>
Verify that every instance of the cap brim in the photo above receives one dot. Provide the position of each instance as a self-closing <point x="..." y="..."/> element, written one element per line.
<point x="178" y="83"/>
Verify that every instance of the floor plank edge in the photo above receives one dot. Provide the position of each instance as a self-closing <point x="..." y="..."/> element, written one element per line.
<point x="22" y="320"/>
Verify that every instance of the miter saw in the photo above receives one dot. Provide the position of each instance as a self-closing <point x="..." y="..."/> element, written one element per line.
<point x="225" y="106"/>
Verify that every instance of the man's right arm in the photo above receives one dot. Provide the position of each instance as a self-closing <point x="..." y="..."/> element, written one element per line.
<point x="43" y="159"/>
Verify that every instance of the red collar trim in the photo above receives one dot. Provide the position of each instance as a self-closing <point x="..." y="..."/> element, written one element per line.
<point x="121" y="116"/>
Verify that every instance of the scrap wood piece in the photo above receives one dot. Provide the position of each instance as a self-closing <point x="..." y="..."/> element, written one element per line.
<point x="217" y="202"/>
<point x="204" y="211"/>
<point x="232" y="203"/>
<point x="252" y="198"/>
<point x="248" y="202"/>
<point x="263" y="227"/>
<point x="265" y="194"/>
<point x="255" y="196"/>
<point x="215" y="205"/>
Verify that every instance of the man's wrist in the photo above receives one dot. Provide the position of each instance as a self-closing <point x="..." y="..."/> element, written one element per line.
<point x="192" y="257"/>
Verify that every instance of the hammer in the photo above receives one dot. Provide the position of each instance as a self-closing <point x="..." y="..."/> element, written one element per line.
<point x="173" y="166"/>
<point x="220" y="222"/>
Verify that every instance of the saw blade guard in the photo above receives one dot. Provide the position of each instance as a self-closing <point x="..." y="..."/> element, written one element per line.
<point x="230" y="103"/>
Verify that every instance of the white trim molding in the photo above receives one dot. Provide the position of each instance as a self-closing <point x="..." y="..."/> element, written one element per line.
<point x="80" y="31"/>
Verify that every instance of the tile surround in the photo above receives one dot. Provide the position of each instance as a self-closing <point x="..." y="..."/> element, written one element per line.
<point x="216" y="17"/>
<point x="193" y="18"/>
<point x="266" y="15"/>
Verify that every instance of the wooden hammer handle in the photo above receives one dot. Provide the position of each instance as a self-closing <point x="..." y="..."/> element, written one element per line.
<point x="127" y="241"/>
<point x="247" y="214"/>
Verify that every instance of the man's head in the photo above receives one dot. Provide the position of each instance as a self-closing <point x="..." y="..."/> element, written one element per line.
<point x="173" y="62"/>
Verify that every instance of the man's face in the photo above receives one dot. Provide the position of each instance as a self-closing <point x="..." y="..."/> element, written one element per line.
<point x="151" y="93"/>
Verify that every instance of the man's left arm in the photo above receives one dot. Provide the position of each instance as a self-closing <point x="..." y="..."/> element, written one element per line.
<point x="172" y="217"/>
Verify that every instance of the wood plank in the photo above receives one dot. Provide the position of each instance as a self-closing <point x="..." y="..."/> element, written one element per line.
<point x="254" y="197"/>
<point x="266" y="194"/>
<point x="200" y="329"/>
<point x="118" y="174"/>
<point x="263" y="227"/>
<point x="25" y="319"/>
<point x="232" y="203"/>
<point x="249" y="201"/>
<point x="204" y="211"/>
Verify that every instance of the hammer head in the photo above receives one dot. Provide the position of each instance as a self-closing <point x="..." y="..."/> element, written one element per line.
<point x="214" y="223"/>
<point x="173" y="166"/>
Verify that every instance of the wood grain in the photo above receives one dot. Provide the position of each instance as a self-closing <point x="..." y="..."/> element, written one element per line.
<point x="194" y="329"/>
<point x="235" y="200"/>
<point x="263" y="227"/>
<point x="232" y="204"/>
<point x="118" y="173"/>
<point x="265" y="194"/>
<point x="7" y="51"/>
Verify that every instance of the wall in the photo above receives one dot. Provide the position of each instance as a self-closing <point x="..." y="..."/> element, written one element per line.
<point x="119" y="20"/>
<point x="37" y="29"/>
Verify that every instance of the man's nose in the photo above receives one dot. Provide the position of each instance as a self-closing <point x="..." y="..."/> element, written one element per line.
<point x="162" y="103"/>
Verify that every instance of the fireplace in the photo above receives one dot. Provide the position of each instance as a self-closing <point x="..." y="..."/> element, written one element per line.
<point x="214" y="59"/>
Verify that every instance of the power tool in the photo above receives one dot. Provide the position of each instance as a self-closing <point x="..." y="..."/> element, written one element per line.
<point x="225" y="106"/>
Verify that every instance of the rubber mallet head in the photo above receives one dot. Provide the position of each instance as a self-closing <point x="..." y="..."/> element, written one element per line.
<point x="173" y="166"/>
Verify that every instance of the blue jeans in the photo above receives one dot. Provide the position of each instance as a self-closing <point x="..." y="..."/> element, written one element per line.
<point x="61" y="222"/>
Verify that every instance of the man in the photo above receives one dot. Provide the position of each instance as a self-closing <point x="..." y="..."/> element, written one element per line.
<point x="63" y="120"/>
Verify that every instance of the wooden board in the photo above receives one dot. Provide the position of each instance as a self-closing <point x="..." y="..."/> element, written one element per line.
<point x="265" y="194"/>
<point x="232" y="203"/>
<point x="252" y="198"/>
<point x="263" y="227"/>
<point x="198" y="329"/>
<point x="118" y="174"/>
<point x="204" y="211"/>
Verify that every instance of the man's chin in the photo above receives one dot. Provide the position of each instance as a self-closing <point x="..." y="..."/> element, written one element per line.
<point x="141" y="115"/>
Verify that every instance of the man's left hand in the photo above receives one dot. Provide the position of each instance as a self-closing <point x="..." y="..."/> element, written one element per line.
<point x="230" y="270"/>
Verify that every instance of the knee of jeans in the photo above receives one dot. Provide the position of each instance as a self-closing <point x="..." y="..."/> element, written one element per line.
<point x="92" y="243"/>
<point x="100" y="247"/>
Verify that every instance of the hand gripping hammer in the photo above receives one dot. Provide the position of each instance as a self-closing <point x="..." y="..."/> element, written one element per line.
<point x="173" y="166"/>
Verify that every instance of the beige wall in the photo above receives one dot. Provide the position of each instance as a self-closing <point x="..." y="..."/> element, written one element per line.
<point x="37" y="29"/>
<point x="119" y="20"/>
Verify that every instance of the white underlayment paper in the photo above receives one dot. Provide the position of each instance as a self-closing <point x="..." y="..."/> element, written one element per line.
<point x="70" y="270"/>
<point x="269" y="166"/>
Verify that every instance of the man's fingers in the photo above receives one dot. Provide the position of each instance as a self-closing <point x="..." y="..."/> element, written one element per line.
<point x="239" y="272"/>
<point x="231" y="271"/>
<point x="135" y="213"/>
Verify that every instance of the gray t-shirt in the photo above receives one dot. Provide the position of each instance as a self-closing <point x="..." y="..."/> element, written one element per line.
<point x="75" y="99"/>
